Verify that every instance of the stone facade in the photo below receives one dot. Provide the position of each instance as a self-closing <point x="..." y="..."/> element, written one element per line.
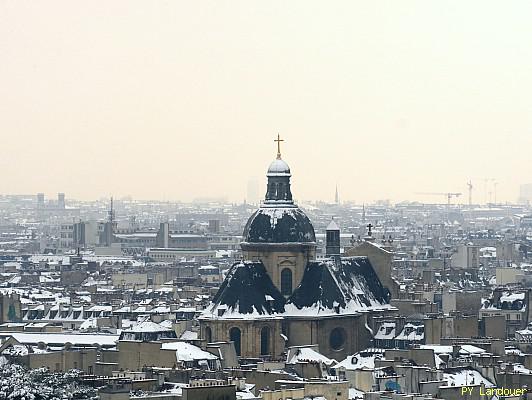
<point x="257" y="337"/>
<point x="279" y="271"/>
<point x="381" y="260"/>
<point x="280" y="257"/>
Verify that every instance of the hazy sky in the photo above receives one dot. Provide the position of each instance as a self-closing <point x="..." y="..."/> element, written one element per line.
<point x="175" y="100"/>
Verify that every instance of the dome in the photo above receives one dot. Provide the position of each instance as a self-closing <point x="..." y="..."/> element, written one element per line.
<point x="278" y="168"/>
<point x="279" y="225"/>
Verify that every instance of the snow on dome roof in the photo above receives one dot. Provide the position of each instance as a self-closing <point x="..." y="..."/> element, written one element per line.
<point x="278" y="167"/>
<point x="279" y="225"/>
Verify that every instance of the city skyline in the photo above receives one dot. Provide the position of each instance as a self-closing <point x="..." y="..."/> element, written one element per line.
<point x="178" y="101"/>
<point x="257" y="200"/>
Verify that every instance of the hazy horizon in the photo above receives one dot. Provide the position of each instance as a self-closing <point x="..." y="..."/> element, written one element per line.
<point x="181" y="100"/>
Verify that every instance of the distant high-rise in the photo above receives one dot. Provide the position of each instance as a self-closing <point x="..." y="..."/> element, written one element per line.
<point x="253" y="191"/>
<point x="61" y="200"/>
<point x="40" y="200"/>
<point x="163" y="235"/>
<point x="214" y="226"/>
<point x="525" y="193"/>
<point x="336" y="198"/>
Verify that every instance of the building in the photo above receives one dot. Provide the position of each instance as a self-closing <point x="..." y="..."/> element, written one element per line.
<point x="280" y="296"/>
<point x="332" y="246"/>
<point x="467" y="256"/>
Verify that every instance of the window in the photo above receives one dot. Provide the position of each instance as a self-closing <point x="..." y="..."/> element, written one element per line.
<point x="337" y="338"/>
<point x="286" y="282"/>
<point x="518" y="317"/>
<point x="235" y="337"/>
<point x="265" y="341"/>
<point x="208" y="334"/>
<point x="507" y="317"/>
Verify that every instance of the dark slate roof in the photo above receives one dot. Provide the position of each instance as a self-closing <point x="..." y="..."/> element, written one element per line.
<point x="351" y="282"/>
<point x="279" y="225"/>
<point x="245" y="288"/>
<point x="351" y="285"/>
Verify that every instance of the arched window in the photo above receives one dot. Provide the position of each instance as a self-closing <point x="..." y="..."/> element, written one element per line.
<point x="208" y="334"/>
<point x="286" y="282"/>
<point x="264" y="341"/>
<point x="235" y="337"/>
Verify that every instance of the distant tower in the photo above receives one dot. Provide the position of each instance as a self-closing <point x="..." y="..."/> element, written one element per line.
<point x="470" y="188"/>
<point x="109" y="226"/>
<point x="336" y="199"/>
<point x="363" y="214"/>
<point x="332" y="244"/>
<point x="163" y="235"/>
<point x="214" y="226"/>
<point x="111" y="214"/>
<point x="61" y="200"/>
<point x="253" y="191"/>
<point x="40" y="200"/>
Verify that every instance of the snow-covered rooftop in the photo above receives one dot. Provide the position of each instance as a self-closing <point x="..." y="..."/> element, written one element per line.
<point x="306" y="354"/>
<point x="188" y="352"/>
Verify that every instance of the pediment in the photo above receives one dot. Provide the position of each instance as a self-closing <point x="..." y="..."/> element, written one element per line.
<point x="288" y="261"/>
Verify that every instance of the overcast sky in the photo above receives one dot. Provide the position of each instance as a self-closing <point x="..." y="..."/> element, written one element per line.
<point x="175" y="100"/>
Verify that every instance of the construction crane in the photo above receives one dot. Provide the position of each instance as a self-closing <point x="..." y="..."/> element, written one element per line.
<point x="449" y="195"/>
<point x="487" y="192"/>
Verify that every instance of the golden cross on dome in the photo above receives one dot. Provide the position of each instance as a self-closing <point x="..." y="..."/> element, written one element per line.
<point x="279" y="140"/>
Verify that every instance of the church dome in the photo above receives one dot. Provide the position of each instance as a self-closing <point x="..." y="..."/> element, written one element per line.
<point x="279" y="225"/>
<point x="279" y="220"/>
<point x="278" y="168"/>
